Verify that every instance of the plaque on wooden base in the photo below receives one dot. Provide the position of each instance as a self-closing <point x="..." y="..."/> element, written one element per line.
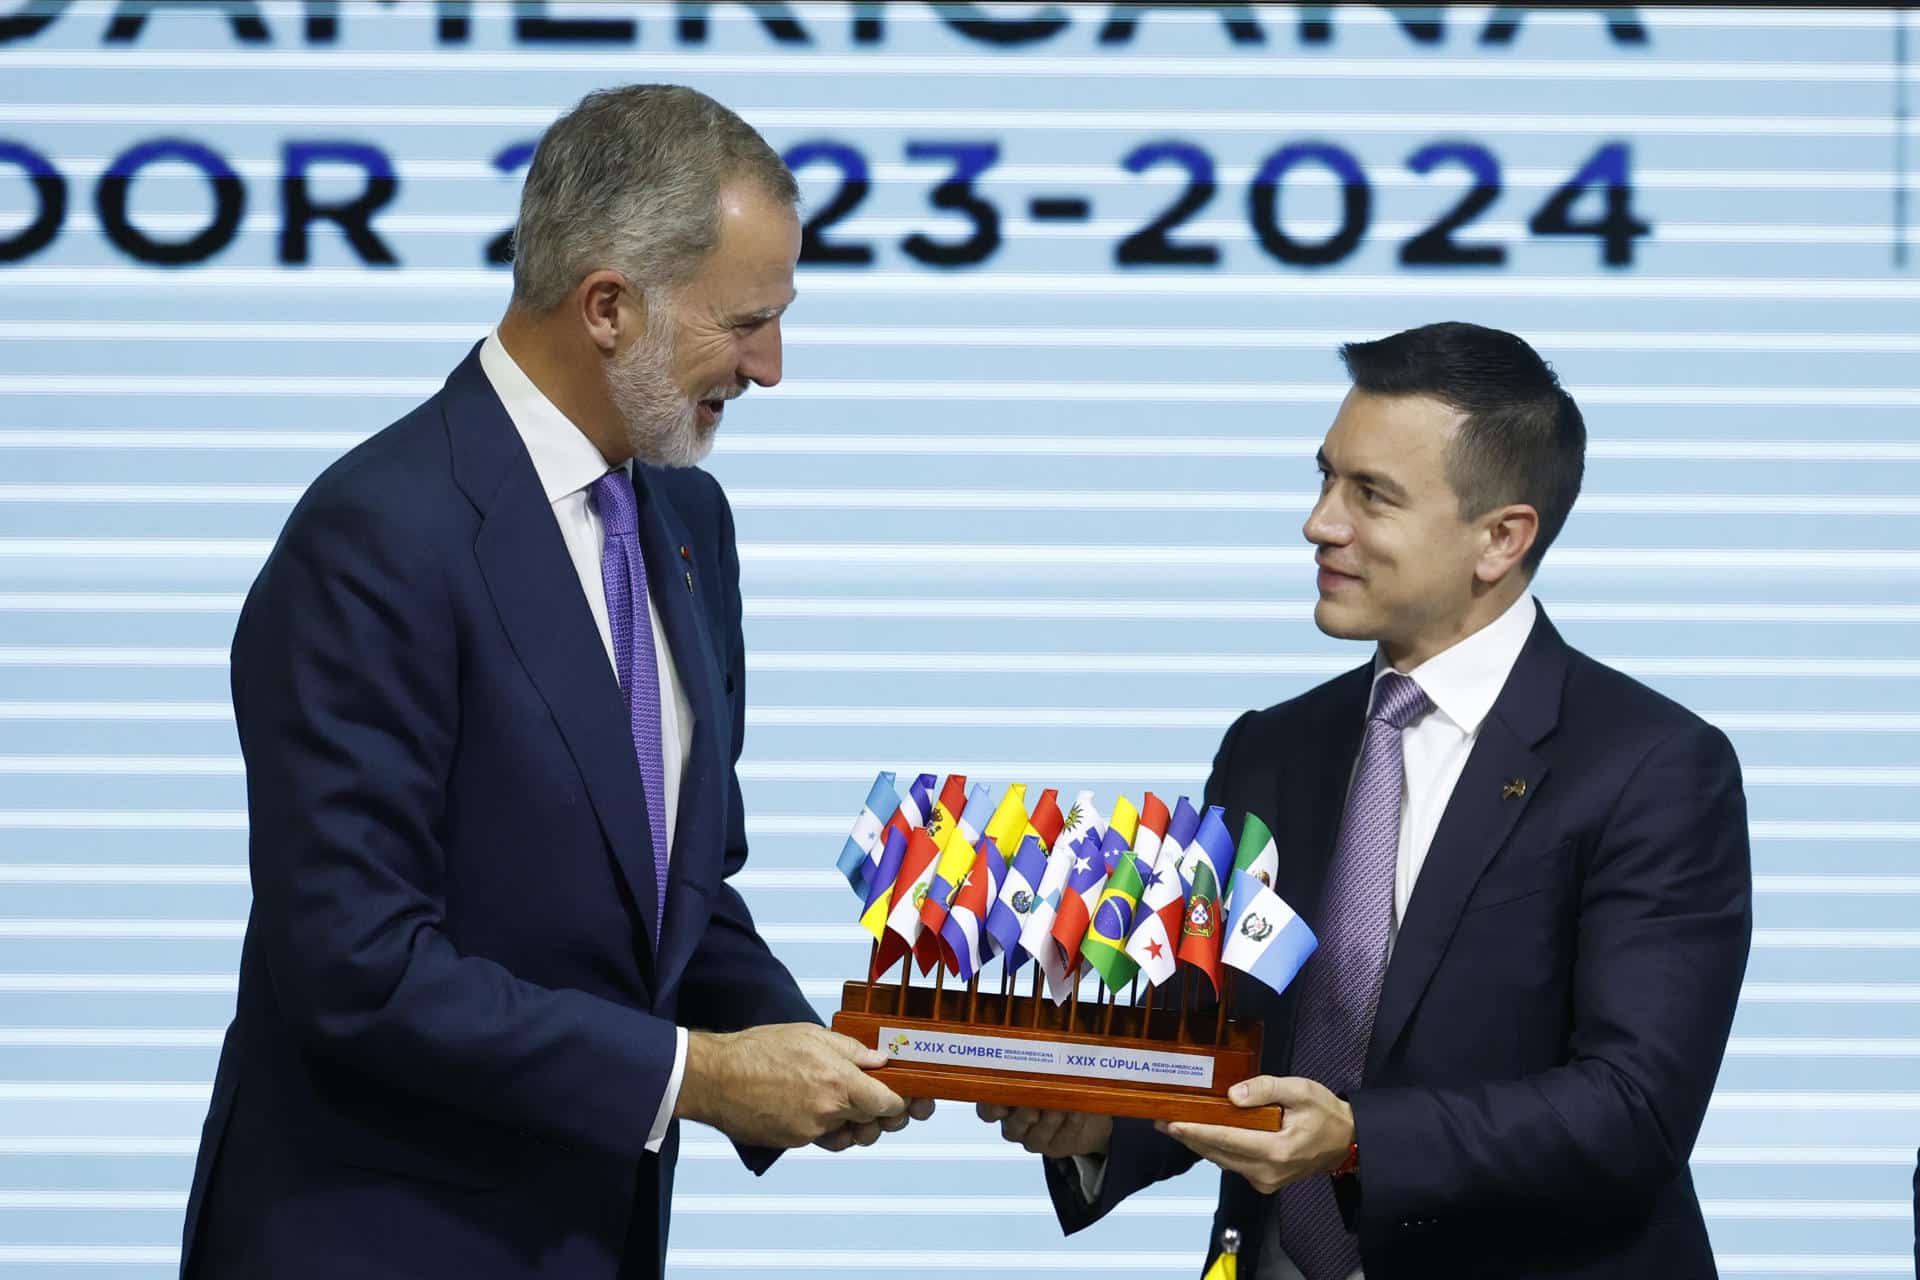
<point x="1023" y="1051"/>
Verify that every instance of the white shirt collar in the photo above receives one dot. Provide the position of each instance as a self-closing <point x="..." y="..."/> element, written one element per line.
<point x="564" y="459"/>
<point x="1464" y="681"/>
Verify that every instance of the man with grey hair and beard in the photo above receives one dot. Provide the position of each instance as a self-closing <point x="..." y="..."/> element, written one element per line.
<point x="490" y="688"/>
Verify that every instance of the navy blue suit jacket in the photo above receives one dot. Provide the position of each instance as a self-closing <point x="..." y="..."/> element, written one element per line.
<point x="1559" y="995"/>
<point x="456" y="1008"/>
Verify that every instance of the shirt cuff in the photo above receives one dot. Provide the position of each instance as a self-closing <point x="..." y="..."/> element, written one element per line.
<point x="664" y="1117"/>
<point x="1093" y="1175"/>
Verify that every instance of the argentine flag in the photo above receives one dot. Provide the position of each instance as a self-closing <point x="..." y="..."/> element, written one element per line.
<point x="1265" y="939"/>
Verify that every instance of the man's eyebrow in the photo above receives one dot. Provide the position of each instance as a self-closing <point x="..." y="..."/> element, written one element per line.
<point x="1385" y="484"/>
<point x="766" y="313"/>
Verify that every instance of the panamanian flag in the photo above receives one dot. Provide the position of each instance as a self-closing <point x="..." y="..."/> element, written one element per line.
<point x="862" y="850"/>
<point x="1265" y="938"/>
<point x="1210" y="855"/>
<point x="1015" y="901"/>
<point x="1156" y="926"/>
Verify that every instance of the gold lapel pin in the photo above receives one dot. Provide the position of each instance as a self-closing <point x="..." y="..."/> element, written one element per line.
<point x="1514" y="789"/>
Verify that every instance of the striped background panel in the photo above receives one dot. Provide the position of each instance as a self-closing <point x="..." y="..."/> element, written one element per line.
<point x="1035" y="516"/>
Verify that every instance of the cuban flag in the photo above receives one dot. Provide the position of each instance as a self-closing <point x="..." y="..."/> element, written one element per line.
<point x="1015" y="902"/>
<point x="862" y="850"/>
<point x="1265" y="938"/>
<point x="961" y="934"/>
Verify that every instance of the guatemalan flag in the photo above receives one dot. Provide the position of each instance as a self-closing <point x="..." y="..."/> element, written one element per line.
<point x="1265" y="939"/>
<point x="1015" y="901"/>
<point x="862" y="852"/>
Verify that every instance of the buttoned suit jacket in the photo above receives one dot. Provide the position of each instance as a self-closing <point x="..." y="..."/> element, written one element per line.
<point x="456" y="1006"/>
<point x="1559" y="994"/>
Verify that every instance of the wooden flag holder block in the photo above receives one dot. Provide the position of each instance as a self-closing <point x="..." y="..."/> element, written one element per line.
<point x="1025" y="1051"/>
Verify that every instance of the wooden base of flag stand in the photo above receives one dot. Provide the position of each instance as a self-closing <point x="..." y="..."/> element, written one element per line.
<point x="866" y="1009"/>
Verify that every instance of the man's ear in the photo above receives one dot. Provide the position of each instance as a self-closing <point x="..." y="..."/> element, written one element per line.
<point x="596" y="300"/>
<point x="1509" y="535"/>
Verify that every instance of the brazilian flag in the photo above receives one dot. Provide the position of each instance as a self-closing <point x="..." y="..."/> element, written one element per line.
<point x="1105" y="946"/>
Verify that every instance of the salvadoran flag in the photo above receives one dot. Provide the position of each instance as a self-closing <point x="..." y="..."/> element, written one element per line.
<point x="1015" y="902"/>
<point x="1265" y="938"/>
<point x="860" y="853"/>
<point x="956" y="858"/>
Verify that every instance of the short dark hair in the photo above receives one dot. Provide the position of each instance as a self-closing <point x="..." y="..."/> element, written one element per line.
<point x="1522" y="439"/>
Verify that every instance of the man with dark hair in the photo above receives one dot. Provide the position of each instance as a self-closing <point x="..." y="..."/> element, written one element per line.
<point x="491" y="691"/>
<point x="1528" y="873"/>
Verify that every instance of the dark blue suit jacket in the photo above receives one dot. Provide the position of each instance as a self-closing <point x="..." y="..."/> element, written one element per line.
<point x="456" y="1009"/>
<point x="1559" y="995"/>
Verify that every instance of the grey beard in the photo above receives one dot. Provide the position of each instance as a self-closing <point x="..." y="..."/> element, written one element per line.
<point x="660" y="421"/>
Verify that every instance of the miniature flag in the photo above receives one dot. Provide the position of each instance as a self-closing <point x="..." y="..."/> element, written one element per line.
<point x="1015" y="901"/>
<point x="961" y="935"/>
<point x="1210" y="853"/>
<point x="1126" y="819"/>
<point x="1085" y="880"/>
<point x="859" y="855"/>
<point x="1047" y="820"/>
<point x="915" y="807"/>
<point x="1153" y="829"/>
<point x="956" y="859"/>
<point x="1156" y="926"/>
<point x="1256" y="856"/>
<point x="1105" y="946"/>
<point x="880" y="884"/>
<point x="1181" y="828"/>
<point x="1038" y="929"/>
<point x="1265" y="939"/>
<point x="1009" y="820"/>
<point x="909" y="892"/>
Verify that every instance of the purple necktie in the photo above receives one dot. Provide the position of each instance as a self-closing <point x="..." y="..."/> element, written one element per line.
<point x="1341" y="986"/>
<point x="623" y="572"/>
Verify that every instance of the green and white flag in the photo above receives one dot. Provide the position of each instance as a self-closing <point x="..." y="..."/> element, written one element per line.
<point x="1256" y="855"/>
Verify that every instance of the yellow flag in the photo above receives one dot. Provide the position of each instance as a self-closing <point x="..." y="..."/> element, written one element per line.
<point x="1225" y="1267"/>
<point x="1009" y="821"/>
<point x="1125" y="820"/>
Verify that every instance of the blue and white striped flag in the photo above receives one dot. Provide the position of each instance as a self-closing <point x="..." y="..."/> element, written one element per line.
<point x="863" y="848"/>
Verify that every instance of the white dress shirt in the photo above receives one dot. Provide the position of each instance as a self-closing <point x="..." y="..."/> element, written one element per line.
<point x="1462" y="683"/>
<point x="568" y="464"/>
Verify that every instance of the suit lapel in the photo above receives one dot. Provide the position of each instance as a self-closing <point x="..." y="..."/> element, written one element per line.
<point x="1482" y="812"/>
<point x="537" y="596"/>
<point x="699" y="825"/>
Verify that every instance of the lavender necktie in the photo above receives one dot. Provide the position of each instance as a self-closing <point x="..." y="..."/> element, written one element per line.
<point x="623" y="572"/>
<point x="1341" y="986"/>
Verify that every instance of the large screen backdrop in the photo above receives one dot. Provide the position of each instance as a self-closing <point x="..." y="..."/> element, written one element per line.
<point x="1028" y="504"/>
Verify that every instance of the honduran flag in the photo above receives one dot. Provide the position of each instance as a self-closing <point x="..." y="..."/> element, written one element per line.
<point x="1015" y="901"/>
<point x="1257" y="855"/>
<point x="861" y="853"/>
<point x="1265" y="938"/>
<point x="1210" y="854"/>
<point x="1105" y="946"/>
<point x="959" y="840"/>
